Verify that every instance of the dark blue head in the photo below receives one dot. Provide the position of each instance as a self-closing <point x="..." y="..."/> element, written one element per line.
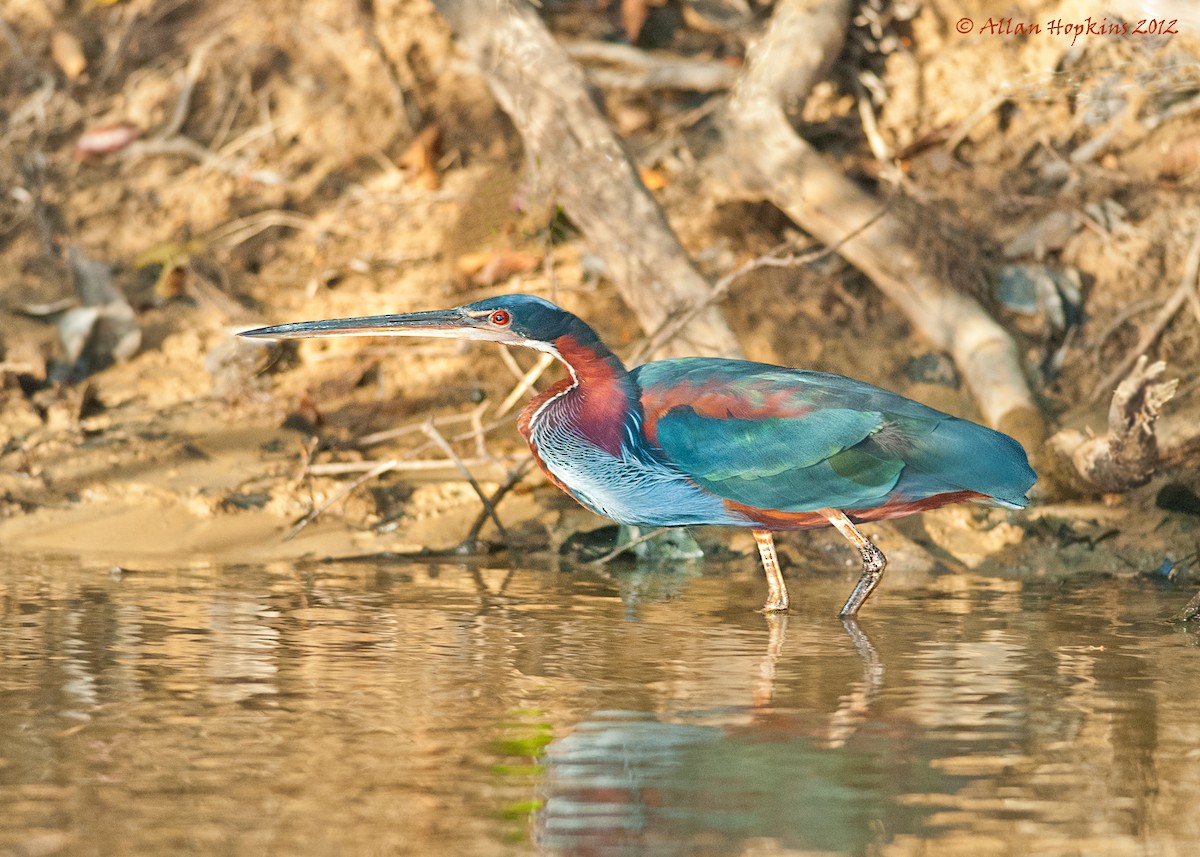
<point x="533" y="321"/>
<point x="510" y="319"/>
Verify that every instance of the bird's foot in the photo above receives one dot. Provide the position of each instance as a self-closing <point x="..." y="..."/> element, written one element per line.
<point x="776" y="604"/>
<point x="874" y="563"/>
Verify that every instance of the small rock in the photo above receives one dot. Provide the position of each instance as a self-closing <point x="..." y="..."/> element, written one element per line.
<point x="932" y="368"/>
<point x="955" y="530"/>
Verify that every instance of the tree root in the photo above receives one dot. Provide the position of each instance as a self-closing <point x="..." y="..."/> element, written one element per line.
<point x="760" y="156"/>
<point x="1127" y="456"/>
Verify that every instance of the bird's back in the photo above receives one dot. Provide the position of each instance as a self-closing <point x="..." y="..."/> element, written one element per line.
<point x="792" y="442"/>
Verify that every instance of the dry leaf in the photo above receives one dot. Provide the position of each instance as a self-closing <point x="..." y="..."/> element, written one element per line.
<point x="491" y="267"/>
<point x="653" y="179"/>
<point x="68" y="54"/>
<point x="419" y="160"/>
<point x="633" y="17"/>
<point x="105" y="139"/>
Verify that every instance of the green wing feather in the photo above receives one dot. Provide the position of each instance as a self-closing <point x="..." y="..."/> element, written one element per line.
<point x="796" y="441"/>
<point x="795" y="464"/>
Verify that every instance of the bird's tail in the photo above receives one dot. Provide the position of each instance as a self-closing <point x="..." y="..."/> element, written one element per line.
<point x="966" y="456"/>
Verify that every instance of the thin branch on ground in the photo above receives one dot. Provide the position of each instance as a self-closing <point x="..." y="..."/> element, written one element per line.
<point x="404" y="465"/>
<point x="514" y="478"/>
<point x="984" y="110"/>
<point x="1089" y="150"/>
<point x="1185" y="291"/>
<point x="191" y="76"/>
<point x="337" y="496"/>
<point x="638" y="70"/>
<point x="442" y="444"/>
<point x="1133" y="309"/>
<point x="673" y="325"/>
<point x="693" y="77"/>
<point x="411" y="428"/>
<point x="235" y="232"/>
<point x="632" y="543"/>
<point x="866" y="114"/>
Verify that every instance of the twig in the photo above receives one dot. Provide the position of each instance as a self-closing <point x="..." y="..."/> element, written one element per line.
<point x="436" y="436"/>
<point x="377" y="470"/>
<point x="191" y="77"/>
<point x="230" y="112"/>
<point x="688" y="77"/>
<point x="514" y="478"/>
<point x="244" y="228"/>
<point x="644" y="71"/>
<point x="673" y="325"/>
<point x="866" y="114"/>
<point x="965" y="127"/>
<point x="1094" y="146"/>
<point x="1123" y="316"/>
<point x="1185" y="289"/>
<point x="478" y="430"/>
<point x="1183" y="108"/>
<point x="620" y="549"/>
<point x="241" y="141"/>
<point x="176" y="145"/>
<point x="308" y="448"/>
<point x="403" y="465"/>
<point x="525" y="384"/>
<point x="390" y="434"/>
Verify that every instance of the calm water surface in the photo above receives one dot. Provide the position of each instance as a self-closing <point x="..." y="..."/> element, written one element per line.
<point x="440" y="709"/>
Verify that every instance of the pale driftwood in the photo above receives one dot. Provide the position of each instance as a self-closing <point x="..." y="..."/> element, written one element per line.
<point x="1127" y="455"/>
<point x="762" y="157"/>
<point x="575" y="153"/>
<point x="638" y="70"/>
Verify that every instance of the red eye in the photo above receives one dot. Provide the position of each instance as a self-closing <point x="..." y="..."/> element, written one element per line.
<point x="500" y="318"/>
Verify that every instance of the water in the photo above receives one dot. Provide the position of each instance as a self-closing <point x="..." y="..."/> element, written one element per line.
<point x="439" y="709"/>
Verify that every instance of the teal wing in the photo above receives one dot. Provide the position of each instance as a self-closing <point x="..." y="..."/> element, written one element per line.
<point x="796" y="441"/>
<point x="791" y="465"/>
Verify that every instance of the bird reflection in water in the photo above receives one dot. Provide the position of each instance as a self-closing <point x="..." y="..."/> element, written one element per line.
<point x="630" y="782"/>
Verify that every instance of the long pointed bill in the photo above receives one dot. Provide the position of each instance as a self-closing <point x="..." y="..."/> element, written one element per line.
<point x="448" y="323"/>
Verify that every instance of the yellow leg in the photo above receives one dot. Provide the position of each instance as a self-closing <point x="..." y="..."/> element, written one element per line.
<point x="777" y="596"/>
<point x="874" y="562"/>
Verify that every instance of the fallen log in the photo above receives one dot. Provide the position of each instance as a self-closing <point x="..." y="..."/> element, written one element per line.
<point x="762" y="157"/>
<point x="574" y="152"/>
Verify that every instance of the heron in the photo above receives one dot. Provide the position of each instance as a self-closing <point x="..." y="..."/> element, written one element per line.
<point x="696" y="441"/>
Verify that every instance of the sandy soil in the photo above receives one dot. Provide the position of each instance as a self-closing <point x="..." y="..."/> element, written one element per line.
<point x="287" y="186"/>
